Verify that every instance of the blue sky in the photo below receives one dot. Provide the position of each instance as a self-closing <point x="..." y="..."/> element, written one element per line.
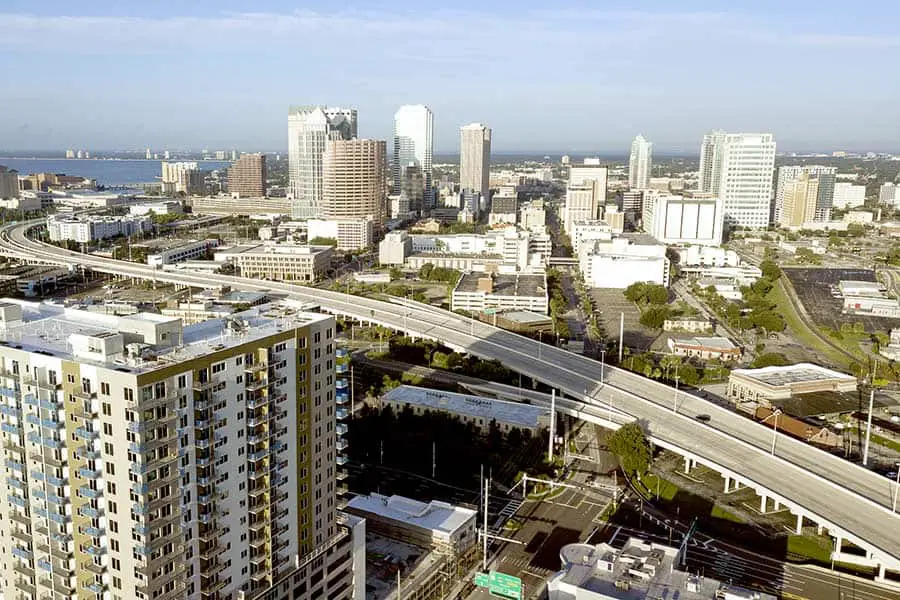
<point x="571" y="76"/>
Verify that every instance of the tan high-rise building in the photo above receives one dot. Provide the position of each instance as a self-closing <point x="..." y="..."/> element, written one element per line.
<point x="353" y="179"/>
<point x="798" y="202"/>
<point x="247" y="176"/>
<point x="475" y="159"/>
<point x="148" y="460"/>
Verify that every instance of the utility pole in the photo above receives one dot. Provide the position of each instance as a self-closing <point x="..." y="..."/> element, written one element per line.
<point x="352" y="394"/>
<point x="552" y="425"/>
<point x="433" y="459"/>
<point x="487" y="491"/>
<point x="621" y="335"/>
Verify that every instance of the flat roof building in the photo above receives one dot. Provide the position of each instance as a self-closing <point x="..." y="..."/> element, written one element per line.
<point x="283" y="262"/>
<point x="434" y="525"/>
<point x="640" y="570"/>
<point x="477" y="410"/>
<point x="247" y="176"/>
<point x="769" y="385"/>
<point x="478" y="292"/>
<point x="705" y="348"/>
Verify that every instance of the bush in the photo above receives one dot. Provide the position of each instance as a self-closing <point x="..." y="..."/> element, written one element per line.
<point x="654" y="316"/>
<point x="647" y="293"/>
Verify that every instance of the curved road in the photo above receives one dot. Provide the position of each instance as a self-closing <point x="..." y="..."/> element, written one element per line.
<point x="852" y="502"/>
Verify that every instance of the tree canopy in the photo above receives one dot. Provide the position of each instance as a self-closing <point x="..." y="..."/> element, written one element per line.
<point x="632" y="447"/>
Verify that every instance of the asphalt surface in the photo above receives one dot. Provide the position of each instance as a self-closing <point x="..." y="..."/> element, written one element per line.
<point x="855" y="501"/>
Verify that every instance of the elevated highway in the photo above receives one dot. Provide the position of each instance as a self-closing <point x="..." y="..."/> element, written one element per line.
<point x="853" y="503"/>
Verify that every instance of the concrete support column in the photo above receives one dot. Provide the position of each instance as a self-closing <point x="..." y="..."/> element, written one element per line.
<point x="819" y="529"/>
<point x="727" y="484"/>
<point x="799" y="529"/>
<point x="687" y="464"/>
<point x="881" y="571"/>
<point x="838" y="542"/>
<point x="777" y="505"/>
<point x="763" y="503"/>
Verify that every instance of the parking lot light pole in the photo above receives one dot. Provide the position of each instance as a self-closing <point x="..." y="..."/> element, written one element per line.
<point x="896" y="489"/>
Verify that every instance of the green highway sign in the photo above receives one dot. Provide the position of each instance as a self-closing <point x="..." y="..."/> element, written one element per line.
<point x="490" y="311"/>
<point x="505" y="586"/>
<point x="482" y="580"/>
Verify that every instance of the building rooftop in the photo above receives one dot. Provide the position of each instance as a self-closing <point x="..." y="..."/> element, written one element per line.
<point x="441" y="518"/>
<point x="792" y="374"/>
<point x="638" y="571"/>
<point x="513" y="413"/>
<point x="716" y="342"/>
<point x="48" y="328"/>
<point x="525" y="317"/>
<point x="505" y="284"/>
<point x="292" y="249"/>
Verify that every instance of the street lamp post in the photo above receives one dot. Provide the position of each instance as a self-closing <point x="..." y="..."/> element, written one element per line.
<point x="896" y="489"/>
<point x="775" y="429"/>
<point x="675" y="402"/>
<point x="540" y="342"/>
<point x="602" y="364"/>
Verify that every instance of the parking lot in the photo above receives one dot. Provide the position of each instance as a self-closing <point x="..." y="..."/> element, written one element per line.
<point x="611" y="304"/>
<point x="814" y="288"/>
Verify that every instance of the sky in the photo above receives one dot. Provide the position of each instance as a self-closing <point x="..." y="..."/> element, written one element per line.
<point x="580" y="76"/>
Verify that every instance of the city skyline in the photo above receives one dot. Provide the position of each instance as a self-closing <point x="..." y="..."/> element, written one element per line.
<point x="358" y="60"/>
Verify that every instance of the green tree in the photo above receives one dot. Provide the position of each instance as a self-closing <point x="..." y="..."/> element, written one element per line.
<point x="396" y="273"/>
<point x="856" y="230"/>
<point x="632" y="447"/>
<point x="425" y="271"/>
<point x="323" y="241"/>
<point x="770" y="270"/>
<point x="654" y="316"/>
<point x="688" y="374"/>
<point x="770" y="359"/>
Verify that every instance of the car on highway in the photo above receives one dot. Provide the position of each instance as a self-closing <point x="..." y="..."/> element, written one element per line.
<point x="704" y="418"/>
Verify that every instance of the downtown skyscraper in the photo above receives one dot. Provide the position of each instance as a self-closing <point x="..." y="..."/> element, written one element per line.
<point x="413" y="150"/>
<point x="309" y="129"/>
<point x="475" y="159"/>
<point x="354" y="179"/>
<point x="803" y="193"/>
<point x="739" y="168"/>
<point x="640" y="163"/>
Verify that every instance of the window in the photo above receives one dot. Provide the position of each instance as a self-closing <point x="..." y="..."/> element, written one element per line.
<point x="107" y="429"/>
<point x="110" y="469"/>
<point x="106" y="408"/>
<point x="104" y="388"/>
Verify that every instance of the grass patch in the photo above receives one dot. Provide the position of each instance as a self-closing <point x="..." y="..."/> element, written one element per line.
<point x="667" y="489"/>
<point x="887" y="443"/>
<point x="801" y="548"/>
<point x="802" y="333"/>
<point x="718" y="512"/>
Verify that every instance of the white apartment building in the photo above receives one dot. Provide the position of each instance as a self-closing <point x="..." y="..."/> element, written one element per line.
<point x="694" y="219"/>
<point x="350" y="234"/>
<point x="738" y="167"/>
<point x="165" y="207"/>
<point x="281" y="262"/>
<point x="88" y="228"/>
<point x="848" y="195"/>
<point x="187" y="251"/>
<point x="618" y="263"/>
<point x="414" y="146"/>
<point x="587" y="232"/>
<point x="475" y="159"/>
<point x="640" y="163"/>
<point x="149" y="460"/>
<point x="309" y="130"/>
<point x="808" y="191"/>
<point x="585" y="193"/>
<point x="889" y="194"/>
<point x="533" y="217"/>
<point x="181" y="178"/>
<point x="707" y="256"/>
<point x="509" y="247"/>
<point x="395" y="248"/>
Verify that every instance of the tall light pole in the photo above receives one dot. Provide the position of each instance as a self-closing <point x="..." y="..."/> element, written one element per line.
<point x="776" y="414"/>
<point x="675" y="401"/>
<point x="540" y="342"/>
<point x="602" y="364"/>
<point x="896" y="489"/>
<point x="865" y="460"/>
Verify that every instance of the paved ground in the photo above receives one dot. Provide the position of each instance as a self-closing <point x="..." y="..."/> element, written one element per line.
<point x="813" y="287"/>
<point x="548" y="525"/>
<point x="610" y="305"/>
